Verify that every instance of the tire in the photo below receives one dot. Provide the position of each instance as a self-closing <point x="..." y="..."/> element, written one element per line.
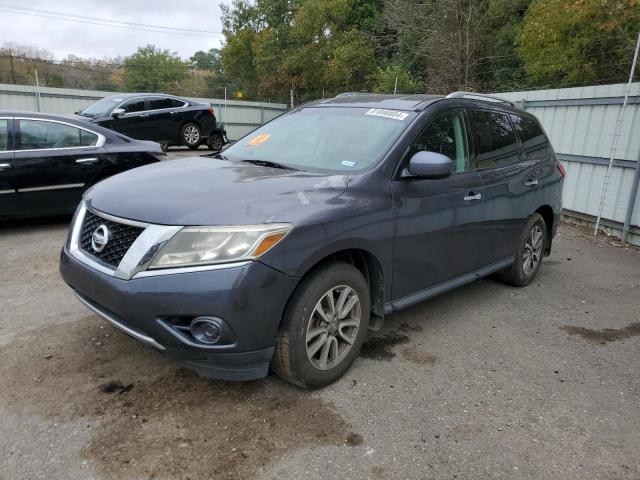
<point x="191" y="135"/>
<point x="531" y="247"/>
<point x="216" y="142"/>
<point x="300" y="361"/>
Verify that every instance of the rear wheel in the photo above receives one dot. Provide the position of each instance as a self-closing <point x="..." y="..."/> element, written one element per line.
<point x="191" y="135"/>
<point x="529" y="255"/>
<point x="216" y="142"/>
<point x="324" y="327"/>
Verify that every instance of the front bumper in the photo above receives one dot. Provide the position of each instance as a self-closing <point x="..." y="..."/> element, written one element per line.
<point x="250" y="299"/>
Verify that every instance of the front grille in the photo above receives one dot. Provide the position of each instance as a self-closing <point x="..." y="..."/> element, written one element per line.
<point x="121" y="238"/>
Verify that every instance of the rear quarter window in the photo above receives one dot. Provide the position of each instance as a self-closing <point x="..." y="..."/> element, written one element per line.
<point x="535" y="145"/>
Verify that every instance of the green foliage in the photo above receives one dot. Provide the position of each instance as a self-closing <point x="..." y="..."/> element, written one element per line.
<point x="152" y="69"/>
<point x="579" y="42"/>
<point x="384" y="80"/>
<point x="209" y="60"/>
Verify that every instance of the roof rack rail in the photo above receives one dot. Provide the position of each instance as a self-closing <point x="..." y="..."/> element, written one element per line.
<point x="347" y="94"/>
<point x="481" y="96"/>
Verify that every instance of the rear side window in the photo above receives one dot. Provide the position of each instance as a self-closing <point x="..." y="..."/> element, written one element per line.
<point x="160" y="103"/>
<point x="176" y="103"/>
<point x="134" y="106"/>
<point x="534" y="143"/>
<point x="40" y="134"/>
<point x="4" y="134"/>
<point x="445" y="134"/>
<point x="494" y="139"/>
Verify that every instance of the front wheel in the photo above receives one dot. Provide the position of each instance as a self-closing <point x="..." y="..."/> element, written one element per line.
<point x="529" y="254"/>
<point x="191" y="135"/>
<point x="324" y="327"/>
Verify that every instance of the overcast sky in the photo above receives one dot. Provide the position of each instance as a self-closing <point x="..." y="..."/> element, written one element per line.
<point x="90" y="40"/>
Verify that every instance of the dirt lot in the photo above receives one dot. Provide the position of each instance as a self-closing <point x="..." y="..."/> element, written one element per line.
<point x="488" y="381"/>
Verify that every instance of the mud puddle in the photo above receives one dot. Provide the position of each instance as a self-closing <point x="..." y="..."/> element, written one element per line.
<point x="153" y="419"/>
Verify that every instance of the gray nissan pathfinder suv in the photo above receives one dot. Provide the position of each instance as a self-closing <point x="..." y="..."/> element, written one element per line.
<point x="283" y="250"/>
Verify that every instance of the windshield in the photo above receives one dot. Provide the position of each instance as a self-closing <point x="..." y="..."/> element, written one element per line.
<point x="102" y="107"/>
<point x="327" y="139"/>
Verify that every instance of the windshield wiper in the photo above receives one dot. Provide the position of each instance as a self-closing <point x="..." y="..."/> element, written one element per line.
<point x="269" y="163"/>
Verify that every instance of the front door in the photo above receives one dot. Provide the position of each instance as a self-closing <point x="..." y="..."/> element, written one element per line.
<point x="134" y="121"/>
<point x="438" y="221"/>
<point x="8" y="197"/>
<point x="54" y="162"/>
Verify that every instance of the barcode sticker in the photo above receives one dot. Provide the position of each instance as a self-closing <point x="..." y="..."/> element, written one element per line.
<point x="381" y="112"/>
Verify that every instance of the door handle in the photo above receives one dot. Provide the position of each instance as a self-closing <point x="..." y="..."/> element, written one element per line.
<point x="172" y="113"/>
<point x="144" y="115"/>
<point x="532" y="182"/>
<point x="87" y="160"/>
<point x="471" y="197"/>
<point x="4" y="165"/>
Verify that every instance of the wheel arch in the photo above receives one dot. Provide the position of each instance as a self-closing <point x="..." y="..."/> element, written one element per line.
<point x="547" y="214"/>
<point x="370" y="267"/>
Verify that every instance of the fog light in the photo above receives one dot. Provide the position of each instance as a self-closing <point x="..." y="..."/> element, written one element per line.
<point x="206" y="329"/>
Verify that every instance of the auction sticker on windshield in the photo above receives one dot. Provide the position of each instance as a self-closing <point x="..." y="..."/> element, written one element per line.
<point x="259" y="139"/>
<point x="382" y="112"/>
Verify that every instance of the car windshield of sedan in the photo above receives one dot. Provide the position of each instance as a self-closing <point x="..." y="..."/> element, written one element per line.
<point x="323" y="139"/>
<point x="101" y="107"/>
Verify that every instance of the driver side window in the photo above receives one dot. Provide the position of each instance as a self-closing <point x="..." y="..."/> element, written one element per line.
<point x="445" y="134"/>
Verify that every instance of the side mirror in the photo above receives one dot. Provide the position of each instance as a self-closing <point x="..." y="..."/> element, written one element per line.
<point x="116" y="112"/>
<point x="430" y="165"/>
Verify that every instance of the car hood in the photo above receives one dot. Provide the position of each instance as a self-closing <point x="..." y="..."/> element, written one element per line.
<point x="206" y="191"/>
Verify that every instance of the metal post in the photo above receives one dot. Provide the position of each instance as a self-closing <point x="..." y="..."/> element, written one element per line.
<point x="225" y="105"/>
<point x="13" y="72"/>
<point x="395" y="87"/>
<point x="616" y="137"/>
<point x="291" y="97"/>
<point x="39" y="106"/>
<point x="632" y="201"/>
<point x="261" y="114"/>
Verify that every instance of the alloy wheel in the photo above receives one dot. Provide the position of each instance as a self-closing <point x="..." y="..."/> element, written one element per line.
<point x="532" y="250"/>
<point x="191" y="135"/>
<point x="333" y="327"/>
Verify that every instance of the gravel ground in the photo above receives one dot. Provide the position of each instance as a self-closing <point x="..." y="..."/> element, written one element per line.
<point x="488" y="381"/>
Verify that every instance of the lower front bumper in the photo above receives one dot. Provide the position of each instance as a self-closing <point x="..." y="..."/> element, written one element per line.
<point x="250" y="300"/>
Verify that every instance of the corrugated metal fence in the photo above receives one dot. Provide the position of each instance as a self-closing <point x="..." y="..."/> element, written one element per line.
<point x="581" y="123"/>
<point x="239" y="117"/>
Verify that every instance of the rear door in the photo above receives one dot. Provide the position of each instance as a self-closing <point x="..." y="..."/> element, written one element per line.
<point x="438" y="221"/>
<point x="8" y="196"/>
<point x="504" y="174"/>
<point x="54" y="162"/>
<point x="160" y="121"/>
<point x="133" y="122"/>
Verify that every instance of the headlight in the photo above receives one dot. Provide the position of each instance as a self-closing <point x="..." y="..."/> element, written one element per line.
<point x="194" y="246"/>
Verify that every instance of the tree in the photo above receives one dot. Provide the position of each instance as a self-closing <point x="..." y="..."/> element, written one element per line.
<point x="385" y="80"/>
<point x="152" y="69"/>
<point x="579" y="42"/>
<point x="209" y="60"/>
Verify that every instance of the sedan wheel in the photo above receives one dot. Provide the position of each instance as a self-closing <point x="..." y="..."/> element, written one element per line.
<point x="528" y="256"/>
<point x="191" y="135"/>
<point x="532" y="250"/>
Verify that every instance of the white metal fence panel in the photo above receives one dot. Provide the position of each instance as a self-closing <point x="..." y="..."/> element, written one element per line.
<point x="239" y="117"/>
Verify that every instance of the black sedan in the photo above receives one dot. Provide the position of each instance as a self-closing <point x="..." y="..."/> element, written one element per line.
<point x="48" y="161"/>
<point x="165" y="119"/>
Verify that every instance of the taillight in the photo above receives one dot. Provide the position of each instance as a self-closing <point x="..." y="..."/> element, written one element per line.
<point x="212" y="111"/>
<point x="561" y="169"/>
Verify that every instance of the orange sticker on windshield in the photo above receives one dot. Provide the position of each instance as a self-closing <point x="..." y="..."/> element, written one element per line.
<point x="259" y="139"/>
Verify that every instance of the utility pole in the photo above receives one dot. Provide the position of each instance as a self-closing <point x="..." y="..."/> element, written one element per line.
<point x="37" y="90"/>
<point x="13" y="72"/>
<point x="194" y="67"/>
